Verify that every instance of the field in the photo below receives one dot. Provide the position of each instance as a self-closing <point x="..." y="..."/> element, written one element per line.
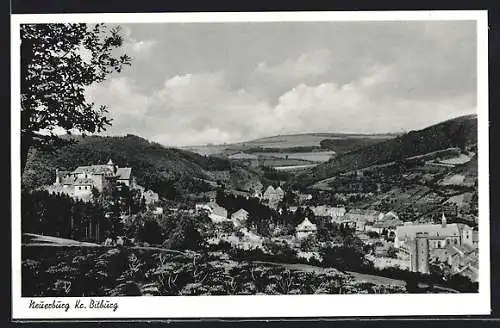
<point x="206" y="149"/>
<point x="306" y="140"/>
<point x="277" y="162"/>
<point x="289" y="141"/>
<point x="319" y="156"/>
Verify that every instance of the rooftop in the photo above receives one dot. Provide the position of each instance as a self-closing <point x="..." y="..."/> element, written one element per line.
<point x="410" y="230"/>
<point x="306" y="225"/>
<point x="124" y="173"/>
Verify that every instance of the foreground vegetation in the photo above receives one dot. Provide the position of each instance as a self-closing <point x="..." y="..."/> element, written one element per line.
<point x="53" y="271"/>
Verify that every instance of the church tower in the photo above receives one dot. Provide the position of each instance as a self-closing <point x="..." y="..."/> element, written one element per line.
<point x="443" y="221"/>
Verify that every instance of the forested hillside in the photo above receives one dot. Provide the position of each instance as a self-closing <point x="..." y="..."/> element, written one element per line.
<point x="458" y="132"/>
<point x="168" y="171"/>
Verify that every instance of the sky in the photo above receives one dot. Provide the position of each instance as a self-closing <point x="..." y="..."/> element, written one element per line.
<point x="200" y="83"/>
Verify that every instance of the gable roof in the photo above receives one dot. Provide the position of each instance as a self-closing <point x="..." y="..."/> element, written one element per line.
<point x="306" y="225"/>
<point x="94" y="169"/>
<point x="357" y="211"/>
<point x="123" y="173"/>
<point x="218" y="210"/>
<point x="269" y="189"/>
<point x="391" y="223"/>
<point x="241" y="211"/>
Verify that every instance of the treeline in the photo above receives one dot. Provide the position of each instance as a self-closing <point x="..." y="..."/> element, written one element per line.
<point x="343" y="145"/>
<point x="178" y="230"/>
<point x="60" y="215"/>
<point x="458" y="132"/>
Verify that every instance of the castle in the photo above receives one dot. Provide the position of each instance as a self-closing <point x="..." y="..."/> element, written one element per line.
<point x="80" y="182"/>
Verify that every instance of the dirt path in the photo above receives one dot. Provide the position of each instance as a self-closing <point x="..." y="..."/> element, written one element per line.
<point x="378" y="280"/>
<point x="30" y="239"/>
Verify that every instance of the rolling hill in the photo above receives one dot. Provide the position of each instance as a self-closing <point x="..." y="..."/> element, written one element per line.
<point x="168" y="171"/>
<point x="292" y="143"/>
<point x="458" y="132"/>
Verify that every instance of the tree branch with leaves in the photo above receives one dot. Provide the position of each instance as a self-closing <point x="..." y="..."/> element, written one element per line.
<point x="58" y="63"/>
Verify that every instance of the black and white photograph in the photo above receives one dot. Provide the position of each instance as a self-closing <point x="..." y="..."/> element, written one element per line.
<point x="219" y="164"/>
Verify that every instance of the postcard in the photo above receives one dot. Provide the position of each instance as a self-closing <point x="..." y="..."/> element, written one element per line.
<point x="250" y="165"/>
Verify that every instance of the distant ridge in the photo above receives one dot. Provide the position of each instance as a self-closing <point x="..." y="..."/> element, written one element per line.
<point x="457" y="132"/>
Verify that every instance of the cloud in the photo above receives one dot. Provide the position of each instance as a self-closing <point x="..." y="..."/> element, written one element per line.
<point x="311" y="64"/>
<point x="201" y="108"/>
<point x="127" y="105"/>
<point x="137" y="49"/>
<point x="358" y="107"/>
<point x="227" y="83"/>
<point x="143" y="47"/>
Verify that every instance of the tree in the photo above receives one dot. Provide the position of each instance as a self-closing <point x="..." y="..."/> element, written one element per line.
<point x="392" y="252"/>
<point x="184" y="236"/>
<point x="58" y="62"/>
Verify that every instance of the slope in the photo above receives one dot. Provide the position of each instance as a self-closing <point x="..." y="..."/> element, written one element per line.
<point x="458" y="132"/>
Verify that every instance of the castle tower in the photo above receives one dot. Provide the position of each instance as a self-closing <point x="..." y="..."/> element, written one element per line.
<point x="419" y="253"/>
<point x="112" y="166"/>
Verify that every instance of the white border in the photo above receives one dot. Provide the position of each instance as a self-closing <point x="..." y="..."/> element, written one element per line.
<point x="267" y="306"/>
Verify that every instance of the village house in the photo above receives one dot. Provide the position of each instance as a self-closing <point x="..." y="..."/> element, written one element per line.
<point x="80" y="182"/>
<point x="150" y="197"/>
<point x="215" y="212"/>
<point x="387" y="223"/>
<point x="273" y="196"/>
<point x="305" y="229"/>
<point x="304" y="197"/>
<point x="462" y="259"/>
<point x="325" y="210"/>
<point x="359" y="218"/>
<point x="337" y="212"/>
<point x="364" y="215"/>
<point x="158" y="211"/>
<point x="239" y="217"/>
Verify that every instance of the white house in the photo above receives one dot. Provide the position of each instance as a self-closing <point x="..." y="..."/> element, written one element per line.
<point x="239" y="217"/>
<point x="273" y="196"/>
<point x="337" y="212"/>
<point x="305" y="229"/>
<point x="215" y="212"/>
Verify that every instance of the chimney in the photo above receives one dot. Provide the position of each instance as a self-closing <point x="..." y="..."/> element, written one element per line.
<point x="443" y="221"/>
